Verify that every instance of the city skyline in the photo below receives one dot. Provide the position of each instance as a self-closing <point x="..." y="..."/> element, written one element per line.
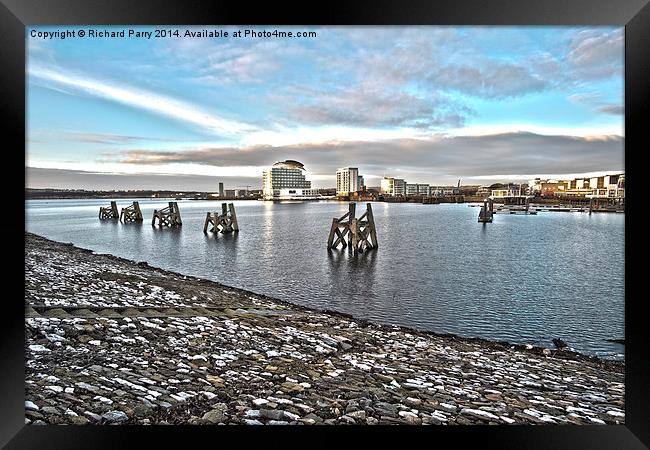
<point x="428" y="104"/>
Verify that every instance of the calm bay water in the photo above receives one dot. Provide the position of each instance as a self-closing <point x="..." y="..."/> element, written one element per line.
<point x="523" y="279"/>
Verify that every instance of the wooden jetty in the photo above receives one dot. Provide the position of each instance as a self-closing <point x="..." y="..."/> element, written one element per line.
<point x="362" y="231"/>
<point x="430" y="200"/>
<point x="131" y="213"/>
<point x="606" y="204"/>
<point x="226" y="222"/>
<point x="169" y="216"/>
<point x="486" y="212"/>
<point x="109" y="212"/>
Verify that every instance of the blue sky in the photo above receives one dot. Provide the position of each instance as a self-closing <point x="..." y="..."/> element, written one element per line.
<point x="431" y="104"/>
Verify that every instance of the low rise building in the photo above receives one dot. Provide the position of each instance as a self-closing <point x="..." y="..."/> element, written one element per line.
<point x="608" y="186"/>
<point x="441" y="191"/>
<point x="417" y="189"/>
<point x="393" y="187"/>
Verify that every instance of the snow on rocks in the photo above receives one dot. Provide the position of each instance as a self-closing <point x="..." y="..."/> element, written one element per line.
<point x="110" y="341"/>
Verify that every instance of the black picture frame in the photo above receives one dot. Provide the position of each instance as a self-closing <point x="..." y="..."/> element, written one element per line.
<point x="15" y="15"/>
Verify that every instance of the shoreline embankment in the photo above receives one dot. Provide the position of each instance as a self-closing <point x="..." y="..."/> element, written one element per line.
<point x="110" y="340"/>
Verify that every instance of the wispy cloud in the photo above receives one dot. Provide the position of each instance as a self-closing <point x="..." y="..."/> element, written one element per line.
<point x="594" y="54"/>
<point x="143" y="99"/>
<point x="612" y="109"/>
<point x="91" y="138"/>
<point x="595" y="101"/>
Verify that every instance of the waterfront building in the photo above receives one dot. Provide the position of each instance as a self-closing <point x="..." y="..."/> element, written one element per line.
<point x="553" y="187"/>
<point x="221" y="190"/>
<point x="347" y="181"/>
<point x="417" y="189"/>
<point x="394" y="187"/>
<point x="483" y="191"/>
<point x="608" y="186"/>
<point x="286" y="180"/>
<point x="361" y="182"/>
<point x="441" y="191"/>
<point x="535" y="186"/>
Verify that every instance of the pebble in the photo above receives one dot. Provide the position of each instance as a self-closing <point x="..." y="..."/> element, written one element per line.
<point x="115" y="416"/>
<point x="140" y="345"/>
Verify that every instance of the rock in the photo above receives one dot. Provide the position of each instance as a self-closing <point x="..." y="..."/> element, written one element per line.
<point x="51" y="410"/>
<point x="31" y="406"/>
<point x="290" y="416"/>
<point x="93" y="416"/>
<point x="292" y="387"/>
<point x="39" y="348"/>
<point x="410" y="417"/>
<point x="447" y="407"/>
<point x="347" y="420"/>
<point x="215" y="380"/>
<point x="115" y="416"/>
<point x="54" y="388"/>
<point x="142" y="409"/>
<point x="252" y="422"/>
<point x="313" y="417"/>
<point x="217" y="414"/>
<point x="79" y="420"/>
<point x="358" y="415"/>
<point x="386" y="409"/>
<point x="480" y="414"/>
<point x="87" y="387"/>
<point x="559" y="343"/>
<point x="34" y="415"/>
<point x="413" y="401"/>
<point x="272" y="414"/>
<point x="313" y="374"/>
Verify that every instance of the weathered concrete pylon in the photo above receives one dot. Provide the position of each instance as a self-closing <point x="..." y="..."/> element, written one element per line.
<point x="362" y="231"/>
<point x="486" y="212"/>
<point x="131" y="213"/>
<point x="109" y="212"/>
<point x="169" y="216"/>
<point x="226" y="222"/>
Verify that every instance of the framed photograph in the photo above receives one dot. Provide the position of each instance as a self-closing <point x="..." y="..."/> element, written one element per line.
<point x="371" y="219"/>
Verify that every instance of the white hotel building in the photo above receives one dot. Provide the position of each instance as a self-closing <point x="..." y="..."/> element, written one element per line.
<point x="285" y="180"/>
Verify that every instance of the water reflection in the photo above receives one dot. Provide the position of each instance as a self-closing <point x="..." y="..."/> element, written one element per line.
<point x="168" y="244"/>
<point x="352" y="275"/>
<point x="526" y="279"/>
<point x="222" y="246"/>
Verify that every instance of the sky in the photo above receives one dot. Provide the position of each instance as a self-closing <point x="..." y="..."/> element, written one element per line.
<point x="430" y="104"/>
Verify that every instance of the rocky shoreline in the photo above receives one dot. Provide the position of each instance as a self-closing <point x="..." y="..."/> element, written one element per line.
<point x="111" y="341"/>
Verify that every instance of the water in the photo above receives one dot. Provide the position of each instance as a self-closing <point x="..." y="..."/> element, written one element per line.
<point x="522" y="279"/>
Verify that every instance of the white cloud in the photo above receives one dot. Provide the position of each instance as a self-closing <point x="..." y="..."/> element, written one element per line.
<point x="584" y="132"/>
<point x="175" y="169"/>
<point x="139" y="98"/>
